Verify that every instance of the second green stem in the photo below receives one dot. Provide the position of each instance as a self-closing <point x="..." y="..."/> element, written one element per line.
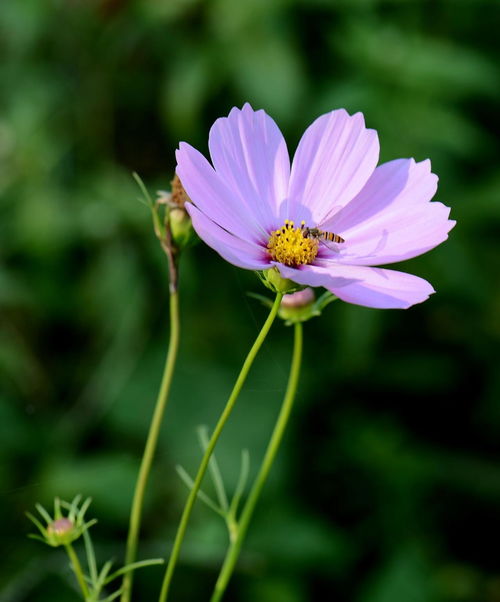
<point x="211" y="446"/>
<point x="151" y="443"/>
<point x="272" y="448"/>
<point x="77" y="568"/>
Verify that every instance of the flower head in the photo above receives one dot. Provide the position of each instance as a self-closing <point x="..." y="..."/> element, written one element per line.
<point x="325" y="219"/>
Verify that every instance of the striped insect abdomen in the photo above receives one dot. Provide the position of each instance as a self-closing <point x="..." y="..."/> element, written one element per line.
<point x="330" y="236"/>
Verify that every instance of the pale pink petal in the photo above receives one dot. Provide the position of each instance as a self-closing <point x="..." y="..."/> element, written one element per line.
<point x="408" y="234"/>
<point x="395" y="183"/>
<point x="211" y="195"/>
<point x="249" y="153"/>
<point x="333" y="161"/>
<point x="239" y="252"/>
<point x="371" y="287"/>
<point x="392" y="218"/>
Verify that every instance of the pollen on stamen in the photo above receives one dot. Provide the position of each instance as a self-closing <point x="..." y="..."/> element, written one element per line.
<point x="294" y="248"/>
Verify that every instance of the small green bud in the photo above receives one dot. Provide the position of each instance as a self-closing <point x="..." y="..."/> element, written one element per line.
<point x="274" y="281"/>
<point x="181" y="227"/>
<point x="177" y="217"/>
<point x="62" y="530"/>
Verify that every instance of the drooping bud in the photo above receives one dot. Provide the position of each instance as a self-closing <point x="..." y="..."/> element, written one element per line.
<point x="298" y="300"/>
<point x="298" y="307"/>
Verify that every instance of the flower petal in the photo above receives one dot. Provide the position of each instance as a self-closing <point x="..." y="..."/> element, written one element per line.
<point x="391" y="219"/>
<point x="371" y="287"/>
<point x="211" y="195"/>
<point x="249" y="153"/>
<point x="239" y="252"/>
<point x="333" y="161"/>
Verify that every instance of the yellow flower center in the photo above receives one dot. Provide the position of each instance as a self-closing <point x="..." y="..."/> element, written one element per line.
<point x="288" y="245"/>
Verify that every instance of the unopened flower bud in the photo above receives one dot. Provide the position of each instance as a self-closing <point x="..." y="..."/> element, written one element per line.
<point x="180" y="226"/>
<point x="298" y="307"/>
<point x="62" y="530"/>
<point x="61" y="526"/>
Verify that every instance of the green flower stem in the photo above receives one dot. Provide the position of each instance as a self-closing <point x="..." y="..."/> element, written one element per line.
<point x="151" y="443"/>
<point x="77" y="569"/>
<point x="181" y="530"/>
<point x="272" y="448"/>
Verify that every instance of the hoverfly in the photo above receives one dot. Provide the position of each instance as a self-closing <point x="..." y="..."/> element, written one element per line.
<point x="322" y="235"/>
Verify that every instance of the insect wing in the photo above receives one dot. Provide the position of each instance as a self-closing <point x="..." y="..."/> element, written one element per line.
<point x="331" y="240"/>
<point x="329" y="244"/>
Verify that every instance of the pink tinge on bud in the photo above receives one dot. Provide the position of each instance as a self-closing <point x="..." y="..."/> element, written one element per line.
<point x="299" y="299"/>
<point x="61" y="526"/>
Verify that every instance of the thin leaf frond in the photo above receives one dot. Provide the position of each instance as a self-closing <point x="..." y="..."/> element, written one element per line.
<point x="242" y="482"/>
<point x="147" y="200"/>
<point x="132" y="566"/>
<point x="37" y="537"/>
<point x="57" y="508"/>
<point x="113" y="596"/>
<point x="104" y="573"/>
<point x="188" y="481"/>
<point x="83" y="509"/>
<point x="91" y="559"/>
<point x="34" y="520"/>
<point x="44" y="513"/>
<point x="214" y="470"/>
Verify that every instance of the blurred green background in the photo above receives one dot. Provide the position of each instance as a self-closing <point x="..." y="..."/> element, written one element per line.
<point x="387" y="488"/>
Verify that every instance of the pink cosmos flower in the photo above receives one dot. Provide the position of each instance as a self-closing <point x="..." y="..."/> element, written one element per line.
<point x="258" y="211"/>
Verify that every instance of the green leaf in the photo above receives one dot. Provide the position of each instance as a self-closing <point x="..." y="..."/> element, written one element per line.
<point x="214" y="470"/>
<point x="132" y="566"/>
<point x="241" y="484"/>
<point x="188" y="481"/>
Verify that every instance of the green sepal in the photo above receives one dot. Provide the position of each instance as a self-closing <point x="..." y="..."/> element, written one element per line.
<point x="181" y="227"/>
<point x="294" y="315"/>
<point x="323" y="300"/>
<point x="275" y="282"/>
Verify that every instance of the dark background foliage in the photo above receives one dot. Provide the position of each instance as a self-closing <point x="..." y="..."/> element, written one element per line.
<point x="388" y="486"/>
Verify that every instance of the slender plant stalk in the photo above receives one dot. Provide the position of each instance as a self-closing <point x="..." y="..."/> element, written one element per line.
<point x="272" y="448"/>
<point x="151" y="443"/>
<point x="77" y="568"/>
<point x="181" y="530"/>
